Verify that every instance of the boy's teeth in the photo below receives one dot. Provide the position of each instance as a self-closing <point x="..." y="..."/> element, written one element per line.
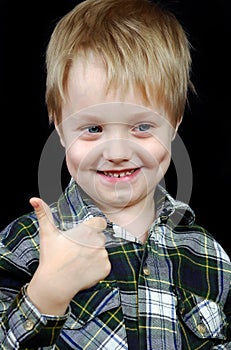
<point x="118" y="175"/>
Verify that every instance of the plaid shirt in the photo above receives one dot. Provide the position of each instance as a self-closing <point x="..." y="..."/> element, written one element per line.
<point x="173" y="292"/>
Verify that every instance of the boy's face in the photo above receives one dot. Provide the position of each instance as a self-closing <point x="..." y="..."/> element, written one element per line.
<point x="117" y="149"/>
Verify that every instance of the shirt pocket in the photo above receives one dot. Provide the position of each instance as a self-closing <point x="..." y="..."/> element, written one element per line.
<point x="204" y="317"/>
<point x="90" y="304"/>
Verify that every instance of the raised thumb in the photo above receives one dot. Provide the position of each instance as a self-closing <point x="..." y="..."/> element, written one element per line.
<point x="43" y="214"/>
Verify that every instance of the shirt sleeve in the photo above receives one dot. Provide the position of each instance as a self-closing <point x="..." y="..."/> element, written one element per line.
<point x="23" y="325"/>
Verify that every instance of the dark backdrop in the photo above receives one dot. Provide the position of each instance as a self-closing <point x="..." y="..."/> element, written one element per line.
<point x="205" y="131"/>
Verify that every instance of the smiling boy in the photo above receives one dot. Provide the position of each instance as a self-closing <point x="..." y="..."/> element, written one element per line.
<point x="116" y="262"/>
<point x="121" y="148"/>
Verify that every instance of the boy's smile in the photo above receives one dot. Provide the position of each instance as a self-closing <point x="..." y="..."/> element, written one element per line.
<point x="120" y="175"/>
<point x="117" y="149"/>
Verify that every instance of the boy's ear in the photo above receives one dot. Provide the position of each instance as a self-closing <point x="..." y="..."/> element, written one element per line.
<point x="59" y="132"/>
<point x="176" y="128"/>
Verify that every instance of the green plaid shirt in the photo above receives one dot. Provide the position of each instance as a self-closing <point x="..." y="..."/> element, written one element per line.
<point x="173" y="292"/>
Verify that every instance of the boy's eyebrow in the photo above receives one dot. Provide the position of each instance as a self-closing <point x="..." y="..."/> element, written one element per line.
<point x="82" y="116"/>
<point x="80" y="119"/>
<point x="97" y="115"/>
<point x="145" y="114"/>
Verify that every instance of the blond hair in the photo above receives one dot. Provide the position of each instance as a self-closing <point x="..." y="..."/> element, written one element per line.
<point x="141" y="44"/>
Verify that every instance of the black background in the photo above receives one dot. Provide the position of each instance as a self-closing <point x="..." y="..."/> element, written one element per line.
<point x="205" y="131"/>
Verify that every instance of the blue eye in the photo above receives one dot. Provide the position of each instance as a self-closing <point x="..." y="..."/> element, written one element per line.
<point x="94" y="129"/>
<point x="143" y="127"/>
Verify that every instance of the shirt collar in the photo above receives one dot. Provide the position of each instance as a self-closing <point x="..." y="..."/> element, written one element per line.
<point x="75" y="206"/>
<point x="169" y="208"/>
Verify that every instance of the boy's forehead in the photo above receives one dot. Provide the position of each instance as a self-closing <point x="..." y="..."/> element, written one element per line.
<point x="115" y="109"/>
<point x="89" y="75"/>
<point x="87" y="70"/>
<point x="87" y="92"/>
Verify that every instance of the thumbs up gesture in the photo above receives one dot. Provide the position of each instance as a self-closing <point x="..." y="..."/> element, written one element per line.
<point x="70" y="261"/>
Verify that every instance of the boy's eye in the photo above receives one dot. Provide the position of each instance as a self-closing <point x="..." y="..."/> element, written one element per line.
<point x="94" y="129"/>
<point x="142" y="127"/>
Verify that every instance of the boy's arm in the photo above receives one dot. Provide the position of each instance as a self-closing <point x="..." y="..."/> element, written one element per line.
<point x="64" y="268"/>
<point x="21" y="324"/>
<point x="20" y="320"/>
<point x="227" y="311"/>
<point x="70" y="261"/>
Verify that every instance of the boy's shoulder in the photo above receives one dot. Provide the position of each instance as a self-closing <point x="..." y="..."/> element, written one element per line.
<point x="21" y="233"/>
<point x="183" y="232"/>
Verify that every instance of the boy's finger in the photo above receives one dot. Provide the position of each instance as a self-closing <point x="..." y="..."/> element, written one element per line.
<point x="88" y="233"/>
<point x="98" y="223"/>
<point x="43" y="213"/>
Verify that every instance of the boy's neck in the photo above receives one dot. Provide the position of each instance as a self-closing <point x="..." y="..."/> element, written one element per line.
<point x="136" y="219"/>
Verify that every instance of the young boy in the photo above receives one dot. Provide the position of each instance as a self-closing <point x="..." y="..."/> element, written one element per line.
<point x="116" y="262"/>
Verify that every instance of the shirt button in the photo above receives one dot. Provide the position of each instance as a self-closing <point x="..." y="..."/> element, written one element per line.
<point x="201" y="328"/>
<point x="28" y="325"/>
<point x="146" y="271"/>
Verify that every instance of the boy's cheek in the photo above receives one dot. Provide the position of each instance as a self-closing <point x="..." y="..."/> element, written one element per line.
<point x="79" y="156"/>
<point x="69" y="139"/>
<point x="72" y="165"/>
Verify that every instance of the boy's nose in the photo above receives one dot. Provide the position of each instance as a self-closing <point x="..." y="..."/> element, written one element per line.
<point x="117" y="151"/>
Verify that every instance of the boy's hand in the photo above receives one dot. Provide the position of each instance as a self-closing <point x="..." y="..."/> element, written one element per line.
<point x="70" y="261"/>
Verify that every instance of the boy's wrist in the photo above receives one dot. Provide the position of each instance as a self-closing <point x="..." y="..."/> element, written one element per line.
<point x="23" y="321"/>
<point x="44" y="301"/>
